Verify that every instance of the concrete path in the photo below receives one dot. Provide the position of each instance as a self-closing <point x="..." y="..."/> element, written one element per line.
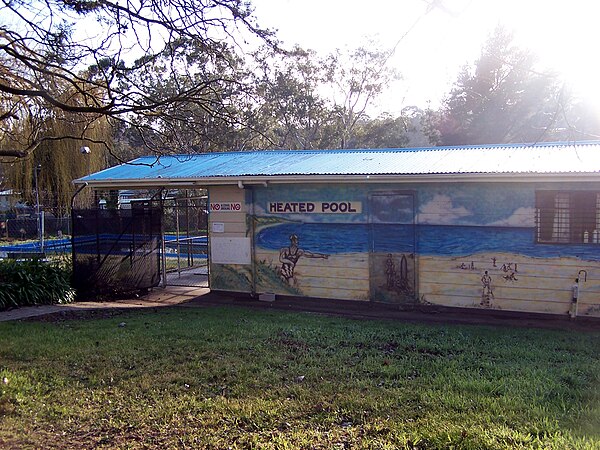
<point x="173" y="295"/>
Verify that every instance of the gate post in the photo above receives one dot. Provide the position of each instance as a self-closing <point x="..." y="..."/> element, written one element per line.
<point x="163" y="244"/>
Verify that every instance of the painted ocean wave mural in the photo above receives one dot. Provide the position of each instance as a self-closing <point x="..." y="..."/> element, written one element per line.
<point x="441" y="240"/>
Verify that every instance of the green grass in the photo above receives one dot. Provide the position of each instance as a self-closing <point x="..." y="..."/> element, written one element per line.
<point x="238" y="378"/>
<point x="171" y="263"/>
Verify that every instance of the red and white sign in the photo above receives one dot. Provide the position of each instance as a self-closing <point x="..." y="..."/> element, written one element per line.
<point x="226" y="207"/>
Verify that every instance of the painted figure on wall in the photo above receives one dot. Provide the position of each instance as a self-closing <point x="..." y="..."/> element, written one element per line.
<point x="397" y="280"/>
<point x="487" y="293"/>
<point x="289" y="256"/>
<point x="390" y="272"/>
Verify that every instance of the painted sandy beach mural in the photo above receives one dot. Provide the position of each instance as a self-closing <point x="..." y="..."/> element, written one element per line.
<point x="454" y="245"/>
<point x="311" y="260"/>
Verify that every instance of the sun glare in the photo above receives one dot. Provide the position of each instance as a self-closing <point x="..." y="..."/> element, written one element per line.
<point x="563" y="34"/>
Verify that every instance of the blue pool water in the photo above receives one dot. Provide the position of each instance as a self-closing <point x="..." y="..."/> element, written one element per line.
<point x="64" y="245"/>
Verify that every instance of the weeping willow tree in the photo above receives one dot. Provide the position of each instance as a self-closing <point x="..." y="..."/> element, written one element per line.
<point x="60" y="163"/>
<point x="57" y="158"/>
<point x="57" y="163"/>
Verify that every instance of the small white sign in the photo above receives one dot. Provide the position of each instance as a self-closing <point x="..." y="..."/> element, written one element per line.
<point x="230" y="250"/>
<point x="218" y="227"/>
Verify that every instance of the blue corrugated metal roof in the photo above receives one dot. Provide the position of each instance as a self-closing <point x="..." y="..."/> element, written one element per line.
<point x="544" y="158"/>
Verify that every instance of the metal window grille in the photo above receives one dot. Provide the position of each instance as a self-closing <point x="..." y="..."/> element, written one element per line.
<point x="568" y="217"/>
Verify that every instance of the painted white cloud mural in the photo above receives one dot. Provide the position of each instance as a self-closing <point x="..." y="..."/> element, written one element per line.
<point x="441" y="211"/>
<point x="521" y="217"/>
<point x="259" y="210"/>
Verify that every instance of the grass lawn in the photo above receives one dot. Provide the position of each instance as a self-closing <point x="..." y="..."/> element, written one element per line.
<point x="240" y="378"/>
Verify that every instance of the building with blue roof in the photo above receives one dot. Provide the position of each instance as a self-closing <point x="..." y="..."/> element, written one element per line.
<point x="500" y="227"/>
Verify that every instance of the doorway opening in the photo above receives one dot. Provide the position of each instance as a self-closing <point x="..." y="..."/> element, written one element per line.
<point x="185" y="240"/>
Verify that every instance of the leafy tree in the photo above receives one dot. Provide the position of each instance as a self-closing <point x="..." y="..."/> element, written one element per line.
<point x="501" y="99"/>
<point x="383" y="132"/>
<point x="308" y="102"/>
<point x="356" y="78"/>
<point x="292" y="113"/>
<point x="60" y="160"/>
<point x="221" y="82"/>
<point x="420" y="126"/>
<point x="573" y="118"/>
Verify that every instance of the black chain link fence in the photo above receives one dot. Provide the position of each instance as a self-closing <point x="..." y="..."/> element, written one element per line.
<point x="27" y="227"/>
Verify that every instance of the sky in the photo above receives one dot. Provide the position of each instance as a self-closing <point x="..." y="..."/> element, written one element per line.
<point x="434" y="43"/>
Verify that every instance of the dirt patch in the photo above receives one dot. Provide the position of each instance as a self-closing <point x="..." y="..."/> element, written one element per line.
<point x="348" y="309"/>
<point x="81" y="314"/>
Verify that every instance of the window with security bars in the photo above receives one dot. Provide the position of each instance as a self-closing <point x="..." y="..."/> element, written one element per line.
<point x="570" y="217"/>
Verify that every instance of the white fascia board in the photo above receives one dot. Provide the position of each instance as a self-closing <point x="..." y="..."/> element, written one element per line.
<point x="311" y="179"/>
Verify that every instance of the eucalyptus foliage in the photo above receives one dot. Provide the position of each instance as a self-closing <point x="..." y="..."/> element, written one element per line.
<point x="504" y="97"/>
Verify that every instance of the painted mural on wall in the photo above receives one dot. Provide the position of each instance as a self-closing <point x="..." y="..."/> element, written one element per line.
<point x="392" y="277"/>
<point x="229" y="277"/>
<point x="397" y="280"/>
<point x="473" y="245"/>
<point x="487" y="293"/>
<point x="392" y="246"/>
<point x="289" y="257"/>
<point x="487" y="255"/>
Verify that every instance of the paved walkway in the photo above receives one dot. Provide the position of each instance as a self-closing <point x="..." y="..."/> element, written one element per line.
<point x="159" y="297"/>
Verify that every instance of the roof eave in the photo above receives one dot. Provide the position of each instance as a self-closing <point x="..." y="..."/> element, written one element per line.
<point x="189" y="183"/>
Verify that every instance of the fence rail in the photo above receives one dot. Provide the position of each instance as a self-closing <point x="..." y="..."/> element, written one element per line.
<point x="28" y="227"/>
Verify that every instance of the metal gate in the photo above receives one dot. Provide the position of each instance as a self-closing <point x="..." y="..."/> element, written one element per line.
<point x="185" y="224"/>
<point x="116" y="252"/>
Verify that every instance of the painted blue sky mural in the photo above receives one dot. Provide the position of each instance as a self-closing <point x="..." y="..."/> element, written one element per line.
<point x="498" y="205"/>
<point x="508" y="205"/>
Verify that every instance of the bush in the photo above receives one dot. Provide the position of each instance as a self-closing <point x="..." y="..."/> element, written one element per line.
<point x="25" y="283"/>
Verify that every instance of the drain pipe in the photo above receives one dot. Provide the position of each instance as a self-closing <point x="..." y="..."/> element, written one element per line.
<point x="575" y="293"/>
<point x="574" y="298"/>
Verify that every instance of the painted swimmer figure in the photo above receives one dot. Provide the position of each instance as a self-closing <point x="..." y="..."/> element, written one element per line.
<point x="289" y="256"/>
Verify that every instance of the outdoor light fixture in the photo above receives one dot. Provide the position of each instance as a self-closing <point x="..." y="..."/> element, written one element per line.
<point x="86" y="152"/>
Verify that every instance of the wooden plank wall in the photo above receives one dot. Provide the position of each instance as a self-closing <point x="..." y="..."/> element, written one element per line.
<point x="228" y="277"/>
<point x="538" y="286"/>
<point x="517" y="282"/>
<point x="339" y="276"/>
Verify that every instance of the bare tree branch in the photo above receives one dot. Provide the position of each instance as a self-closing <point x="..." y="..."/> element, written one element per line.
<point x="135" y="61"/>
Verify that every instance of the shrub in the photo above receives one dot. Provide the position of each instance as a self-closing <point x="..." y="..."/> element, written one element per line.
<point x="25" y="283"/>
